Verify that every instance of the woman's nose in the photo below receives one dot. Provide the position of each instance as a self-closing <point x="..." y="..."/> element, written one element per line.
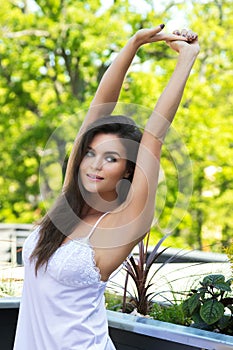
<point x="97" y="163"/>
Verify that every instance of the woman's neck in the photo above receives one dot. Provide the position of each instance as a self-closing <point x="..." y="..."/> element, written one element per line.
<point x="95" y="205"/>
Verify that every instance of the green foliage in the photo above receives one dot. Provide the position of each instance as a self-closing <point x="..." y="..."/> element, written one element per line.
<point x="10" y="287"/>
<point x="113" y="301"/>
<point x="211" y="306"/>
<point x="53" y="55"/>
<point x="170" y="313"/>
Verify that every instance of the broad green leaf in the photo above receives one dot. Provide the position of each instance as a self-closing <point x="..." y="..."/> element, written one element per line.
<point x="224" y="321"/>
<point x="193" y="302"/>
<point x="211" y="311"/>
<point x="223" y="287"/>
<point x="213" y="280"/>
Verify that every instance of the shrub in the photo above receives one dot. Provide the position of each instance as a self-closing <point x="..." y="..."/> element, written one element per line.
<point x="173" y="313"/>
<point x="113" y="301"/>
<point x="211" y="306"/>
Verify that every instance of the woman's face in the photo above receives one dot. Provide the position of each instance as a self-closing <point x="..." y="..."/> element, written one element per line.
<point x="103" y="166"/>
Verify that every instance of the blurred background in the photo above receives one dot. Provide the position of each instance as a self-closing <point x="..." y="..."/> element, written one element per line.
<point x="53" y="54"/>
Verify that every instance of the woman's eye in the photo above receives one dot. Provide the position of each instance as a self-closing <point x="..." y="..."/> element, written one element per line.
<point x="90" y="154"/>
<point x="111" y="159"/>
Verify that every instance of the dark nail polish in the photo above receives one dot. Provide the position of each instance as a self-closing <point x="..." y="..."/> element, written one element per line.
<point x="162" y="26"/>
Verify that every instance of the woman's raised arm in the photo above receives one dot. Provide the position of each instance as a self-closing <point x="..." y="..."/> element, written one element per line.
<point x="166" y="106"/>
<point x="131" y="221"/>
<point x="147" y="168"/>
<point x="110" y="85"/>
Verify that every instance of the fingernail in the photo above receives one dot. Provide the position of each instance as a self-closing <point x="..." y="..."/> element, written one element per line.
<point x="162" y="26"/>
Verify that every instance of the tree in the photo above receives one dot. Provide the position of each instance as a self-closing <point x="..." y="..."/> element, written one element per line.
<point x="52" y="56"/>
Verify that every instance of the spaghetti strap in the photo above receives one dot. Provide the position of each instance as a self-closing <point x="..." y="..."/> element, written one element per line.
<point x="96" y="224"/>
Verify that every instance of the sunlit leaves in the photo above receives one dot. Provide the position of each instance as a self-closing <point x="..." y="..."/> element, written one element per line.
<point x="52" y="57"/>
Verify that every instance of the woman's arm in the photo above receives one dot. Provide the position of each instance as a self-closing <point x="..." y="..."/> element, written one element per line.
<point x="110" y="85"/>
<point x="135" y="216"/>
<point x="147" y="169"/>
<point x="169" y="100"/>
<point x="132" y="221"/>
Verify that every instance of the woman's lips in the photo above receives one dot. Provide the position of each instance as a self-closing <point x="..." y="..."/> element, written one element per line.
<point x="94" y="177"/>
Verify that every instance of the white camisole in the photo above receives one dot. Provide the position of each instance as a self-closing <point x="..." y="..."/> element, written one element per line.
<point x="63" y="307"/>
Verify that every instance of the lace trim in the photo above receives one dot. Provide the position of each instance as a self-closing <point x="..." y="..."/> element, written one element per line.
<point x="74" y="264"/>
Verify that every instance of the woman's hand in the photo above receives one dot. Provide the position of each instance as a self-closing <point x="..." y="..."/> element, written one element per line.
<point x="191" y="42"/>
<point x="145" y="36"/>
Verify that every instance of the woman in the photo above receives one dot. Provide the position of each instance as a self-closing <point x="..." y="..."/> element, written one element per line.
<point x="105" y="209"/>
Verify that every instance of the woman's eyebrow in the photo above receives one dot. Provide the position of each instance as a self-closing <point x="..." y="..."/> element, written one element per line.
<point x="89" y="148"/>
<point x="112" y="152"/>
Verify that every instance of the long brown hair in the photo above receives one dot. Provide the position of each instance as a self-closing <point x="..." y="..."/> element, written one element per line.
<point x="65" y="214"/>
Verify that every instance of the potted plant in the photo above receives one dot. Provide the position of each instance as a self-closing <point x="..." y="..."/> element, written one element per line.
<point x="139" y="332"/>
<point x="138" y="269"/>
<point x="210" y="306"/>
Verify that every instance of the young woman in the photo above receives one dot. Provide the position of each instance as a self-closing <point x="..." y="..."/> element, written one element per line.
<point x="106" y="207"/>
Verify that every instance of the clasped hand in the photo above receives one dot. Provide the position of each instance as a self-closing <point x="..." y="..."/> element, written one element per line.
<point x="176" y="40"/>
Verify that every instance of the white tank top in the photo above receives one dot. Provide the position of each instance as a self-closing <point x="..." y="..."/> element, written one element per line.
<point x="63" y="307"/>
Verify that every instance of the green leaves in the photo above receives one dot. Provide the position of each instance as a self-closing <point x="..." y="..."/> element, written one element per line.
<point x="192" y="303"/>
<point x="52" y="57"/>
<point x="211" y="305"/>
<point x="218" y="282"/>
<point x="211" y="311"/>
